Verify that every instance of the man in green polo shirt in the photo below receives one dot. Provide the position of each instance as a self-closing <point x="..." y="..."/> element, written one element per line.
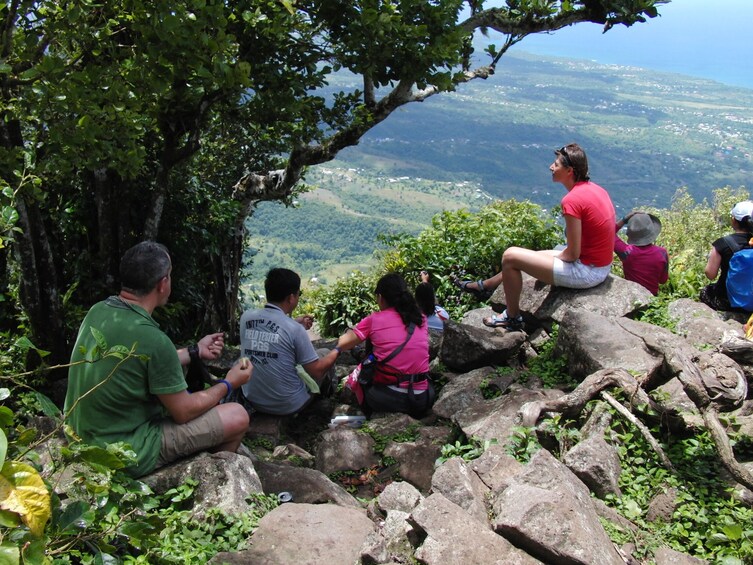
<point x="144" y="401"/>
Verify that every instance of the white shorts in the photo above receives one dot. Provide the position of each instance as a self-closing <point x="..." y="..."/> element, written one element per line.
<point x="578" y="275"/>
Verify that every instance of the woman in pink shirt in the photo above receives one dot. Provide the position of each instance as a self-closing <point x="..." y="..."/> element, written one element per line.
<point x="399" y="337"/>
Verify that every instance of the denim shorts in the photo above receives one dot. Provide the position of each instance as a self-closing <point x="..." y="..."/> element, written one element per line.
<point x="578" y="275"/>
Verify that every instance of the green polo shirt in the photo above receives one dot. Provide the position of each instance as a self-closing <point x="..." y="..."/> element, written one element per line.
<point x="124" y="408"/>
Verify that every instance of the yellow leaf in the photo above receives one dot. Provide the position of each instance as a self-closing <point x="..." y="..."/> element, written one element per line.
<point x="22" y="491"/>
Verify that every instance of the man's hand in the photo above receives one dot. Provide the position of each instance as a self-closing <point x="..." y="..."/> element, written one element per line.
<point x="306" y="321"/>
<point x="210" y="346"/>
<point x="240" y="374"/>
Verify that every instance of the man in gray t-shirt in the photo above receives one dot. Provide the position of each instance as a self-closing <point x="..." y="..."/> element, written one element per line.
<point x="276" y="344"/>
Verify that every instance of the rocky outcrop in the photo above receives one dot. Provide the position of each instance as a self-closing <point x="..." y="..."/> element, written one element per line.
<point x="394" y="495"/>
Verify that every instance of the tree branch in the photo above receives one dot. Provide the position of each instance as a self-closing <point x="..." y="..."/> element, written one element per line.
<point x="630" y="417"/>
<point x="693" y="382"/>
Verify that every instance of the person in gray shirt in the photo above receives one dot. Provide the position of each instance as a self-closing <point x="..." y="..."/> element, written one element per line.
<point x="277" y="344"/>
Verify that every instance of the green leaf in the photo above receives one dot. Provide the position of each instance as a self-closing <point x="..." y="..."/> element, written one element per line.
<point x="119" y="351"/>
<point x="77" y="516"/>
<point x="48" y="406"/>
<point x="99" y="338"/>
<point x="733" y="531"/>
<point x="9" y="554"/>
<point x="100" y="456"/>
<point x="9" y="519"/>
<point x="4" y="393"/>
<point x="6" y="416"/>
<point x="34" y="553"/>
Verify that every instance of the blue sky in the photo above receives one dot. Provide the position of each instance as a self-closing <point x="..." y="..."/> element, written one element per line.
<point x="706" y="38"/>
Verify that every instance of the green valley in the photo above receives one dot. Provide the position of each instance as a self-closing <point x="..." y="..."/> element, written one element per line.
<point x="646" y="134"/>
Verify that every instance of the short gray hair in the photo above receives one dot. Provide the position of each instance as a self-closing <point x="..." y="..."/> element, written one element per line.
<point x="143" y="266"/>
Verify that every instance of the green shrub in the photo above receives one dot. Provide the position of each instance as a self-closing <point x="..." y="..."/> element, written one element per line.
<point x="707" y="522"/>
<point x="462" y="243"/>
<point x="469" y="245"/>
<point x="345" y="303"/>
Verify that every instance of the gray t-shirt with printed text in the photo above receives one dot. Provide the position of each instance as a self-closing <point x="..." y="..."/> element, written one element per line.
<point x="275" y="343"/>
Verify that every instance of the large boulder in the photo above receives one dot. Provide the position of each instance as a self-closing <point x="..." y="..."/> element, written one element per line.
<point x="614" y="297"/>
<point x="454" y="536"/>
<point x="224" y="480"/>
<point x="547" y="511"/>
<point x="470" y="345"/>
<point x="701" y="325"/>
<point x="456" y="480"/>
<point x="344" y="449"/>
<point x="597" y="464"/>
<point x="416" y="458"/>
<point x="593" y="342"/>
<point x="304" y="485"/>
<point x="305" y="534"/>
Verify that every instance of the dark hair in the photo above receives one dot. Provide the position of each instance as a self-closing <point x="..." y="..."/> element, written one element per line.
<point x="573" y="156"/>
<point x="393" y="289"/>
<point x="747" y="224"/>
<point x="281" y="283"/>
<point x="142" y="267"/>
<point x="425" y="298"/>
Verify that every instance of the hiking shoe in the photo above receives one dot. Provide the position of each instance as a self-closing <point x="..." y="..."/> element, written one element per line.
<point x="505" y="322"/>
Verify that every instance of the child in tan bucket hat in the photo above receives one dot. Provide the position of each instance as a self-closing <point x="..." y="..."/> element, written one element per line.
<point x="642" y="261"/>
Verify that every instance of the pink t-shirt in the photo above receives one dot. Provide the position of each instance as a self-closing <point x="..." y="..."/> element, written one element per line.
<point x="386" y="331"/>
<point x="648" y="265"/>
<point x="591" y="204"/>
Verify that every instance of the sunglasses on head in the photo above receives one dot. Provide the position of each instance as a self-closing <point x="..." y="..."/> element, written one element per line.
<point x="565" y="157"/>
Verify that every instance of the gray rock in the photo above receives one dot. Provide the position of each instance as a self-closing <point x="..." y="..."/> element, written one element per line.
<point x="496" y="468"/>
<point x="667" y="556"/>
<point x="391" y="424"/>
<point x="393" y="540"/>
<point x="496" y="419"/>
<point x="662" y="506"/>
<point x="698" y="323"/>
<point x="461" y="392"/>
<point x="597" y="464"/>
<point x="344" y="449"/>
<point x="416" y="458"/>
<point x="466" y="347"/>
<point x="457" y="481"/>
<point x="305" y="534"/>
<point x="614" y="297"/>
<point x="453" y="536"/>
<point x="305" y="485"/>
<point x="399" y="495"/>
<point x="612" y="516"/>
<point x="224" y="481"/>
<point x="593" y="342"/>
<point x="547" y="511"/>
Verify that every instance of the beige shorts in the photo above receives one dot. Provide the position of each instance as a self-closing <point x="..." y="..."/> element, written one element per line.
<point x="181" y="440"/>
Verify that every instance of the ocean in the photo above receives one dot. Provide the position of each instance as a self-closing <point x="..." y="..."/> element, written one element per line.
<point x="690" y="37"/>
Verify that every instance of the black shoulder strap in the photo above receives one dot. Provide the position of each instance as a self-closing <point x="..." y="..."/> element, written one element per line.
<point x="411" y="327"/>
<point x="733" y="244"/>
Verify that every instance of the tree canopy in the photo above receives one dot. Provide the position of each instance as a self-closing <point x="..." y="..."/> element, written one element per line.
<point x="128" y="120"/>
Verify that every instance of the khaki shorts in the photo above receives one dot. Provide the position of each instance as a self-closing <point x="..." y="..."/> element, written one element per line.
<point x="578" y="275"/>
<point x="181" y="440"/>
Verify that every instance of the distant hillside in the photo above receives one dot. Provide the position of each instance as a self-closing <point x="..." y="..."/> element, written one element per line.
<point x="646" y="134"/>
